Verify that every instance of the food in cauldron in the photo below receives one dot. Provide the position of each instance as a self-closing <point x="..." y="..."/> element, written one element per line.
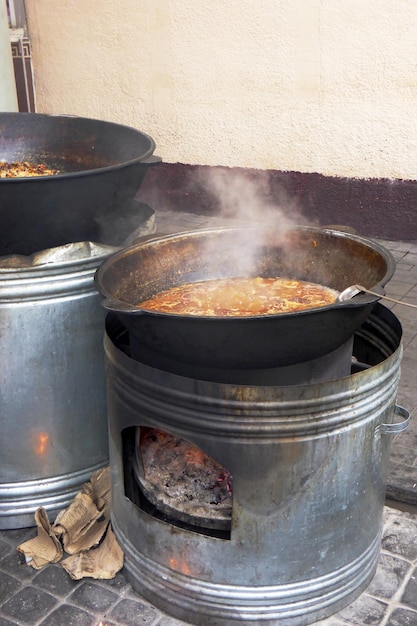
<point x="240" y="297"/>
<point x="24" y="169"/>
<point x="331" y="258"/>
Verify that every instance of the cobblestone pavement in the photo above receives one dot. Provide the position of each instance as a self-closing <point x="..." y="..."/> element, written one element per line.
<point x="49" y="597"/>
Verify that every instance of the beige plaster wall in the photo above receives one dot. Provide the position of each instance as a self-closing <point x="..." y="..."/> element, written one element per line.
<point x="326" y="86"/>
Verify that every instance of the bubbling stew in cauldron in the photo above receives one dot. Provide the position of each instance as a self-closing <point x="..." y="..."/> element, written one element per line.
<point x="240" y="297"/>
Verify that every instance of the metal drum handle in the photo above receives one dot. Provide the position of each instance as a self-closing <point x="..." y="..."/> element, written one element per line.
<point x="396" y="427"/>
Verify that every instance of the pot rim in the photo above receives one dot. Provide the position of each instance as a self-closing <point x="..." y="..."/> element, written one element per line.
<point x="148" y="154"/>
<point x="114" y="304"/>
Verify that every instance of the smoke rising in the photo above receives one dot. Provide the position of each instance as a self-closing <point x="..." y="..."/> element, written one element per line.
<point x="250" y="198"/>
<point x="247" y="199"/>
<point x="228" y="197"/>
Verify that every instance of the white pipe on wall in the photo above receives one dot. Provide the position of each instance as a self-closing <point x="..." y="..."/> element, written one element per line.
<point x="8" y="95"/>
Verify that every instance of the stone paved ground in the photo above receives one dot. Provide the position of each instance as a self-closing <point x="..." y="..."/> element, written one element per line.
<point x="50" y="598"/>
<point x="402" y="471"/>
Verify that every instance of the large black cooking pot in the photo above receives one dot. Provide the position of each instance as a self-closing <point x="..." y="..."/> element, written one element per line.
<point x="101" y="165"/>
<point x="328" y="257"/>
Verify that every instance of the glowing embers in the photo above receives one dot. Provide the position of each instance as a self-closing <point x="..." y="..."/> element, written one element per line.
<point x="181" y="484"/>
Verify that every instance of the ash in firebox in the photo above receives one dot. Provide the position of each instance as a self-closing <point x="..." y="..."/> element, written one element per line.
<point x="178" y="476"/>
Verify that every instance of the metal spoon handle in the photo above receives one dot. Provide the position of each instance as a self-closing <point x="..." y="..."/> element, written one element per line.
<point x="374" y="293"/>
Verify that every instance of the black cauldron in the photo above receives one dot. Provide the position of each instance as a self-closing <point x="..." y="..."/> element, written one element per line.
<point x="101" y="167"/>
<point x="332" y="258"/>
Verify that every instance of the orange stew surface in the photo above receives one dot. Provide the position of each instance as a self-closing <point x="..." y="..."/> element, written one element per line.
<point x="240" y="297"/>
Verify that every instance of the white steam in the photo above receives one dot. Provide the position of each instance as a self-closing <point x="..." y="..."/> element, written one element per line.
<point x="247" y="197"/>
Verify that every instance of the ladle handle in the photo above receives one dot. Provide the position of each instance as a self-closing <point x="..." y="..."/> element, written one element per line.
<point x="384" y="297"/>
